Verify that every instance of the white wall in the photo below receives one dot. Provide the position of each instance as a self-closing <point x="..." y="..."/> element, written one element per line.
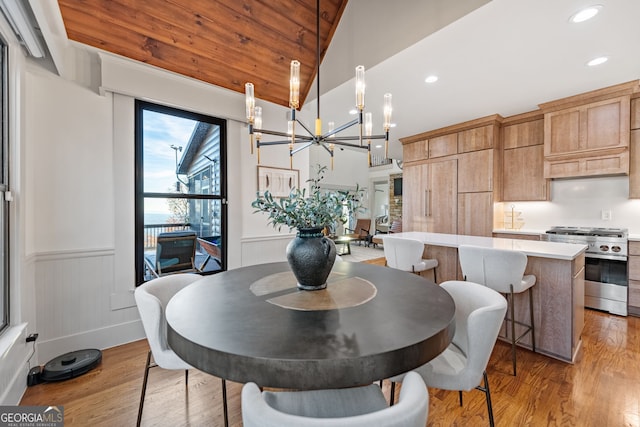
<point x="579" y="202"/>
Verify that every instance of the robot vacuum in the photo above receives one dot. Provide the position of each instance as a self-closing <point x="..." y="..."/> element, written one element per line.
<point x="67" y="366"/>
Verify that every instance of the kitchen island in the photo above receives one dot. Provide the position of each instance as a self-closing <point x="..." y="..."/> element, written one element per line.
<point x="558" y="294"/>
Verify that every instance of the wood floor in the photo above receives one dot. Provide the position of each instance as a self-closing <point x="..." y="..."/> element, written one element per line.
<point x="601" y="389"/>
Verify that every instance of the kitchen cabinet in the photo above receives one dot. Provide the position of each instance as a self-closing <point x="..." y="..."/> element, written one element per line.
<point x="634" y="164"/>
<point x="414" y="151"/>
<point x="523" y="174"/>
<point x="479" y="138"/>
<point x="475" y="214"/>
<point x="587" y="140"/>
<point x="635" y="113"/>
<point x="430" y="196"/>
<point x="523" y="159"/>
<point x="633" y="264"/>
<point x="445" y="145"/>
<point x="475" y="171"/>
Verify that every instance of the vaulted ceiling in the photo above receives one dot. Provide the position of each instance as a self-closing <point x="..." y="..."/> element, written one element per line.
<point x="223" y="42"/>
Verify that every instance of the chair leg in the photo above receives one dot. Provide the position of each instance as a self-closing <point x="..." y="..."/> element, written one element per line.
<point x="186" y="377"/>
<point x="533" y="328"/>
<point x="460" y="396"/>
<point x="224" y="403"/>
<point x="487" y="393"/>
<point x="144" y="387"/>
<point x="393" y="394"/>
<point x="513" y="330"/>
<point x="435" y="279"/>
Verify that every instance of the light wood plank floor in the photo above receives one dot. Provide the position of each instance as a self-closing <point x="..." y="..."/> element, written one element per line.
<point x="601" y="389"/>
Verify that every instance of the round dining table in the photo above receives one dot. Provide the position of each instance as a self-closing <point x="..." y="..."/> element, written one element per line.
<point x="254" y="324"/>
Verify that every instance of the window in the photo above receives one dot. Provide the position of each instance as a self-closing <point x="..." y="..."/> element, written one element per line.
<point x="180" y="188"/>
<point x="4" y="188"/>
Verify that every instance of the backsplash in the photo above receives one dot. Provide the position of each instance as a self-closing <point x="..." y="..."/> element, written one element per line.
<point x="581" y="202"/>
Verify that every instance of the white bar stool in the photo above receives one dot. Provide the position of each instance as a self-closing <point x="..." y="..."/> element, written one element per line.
<point x="406" y="255"/>
<point x="503" y="271"/>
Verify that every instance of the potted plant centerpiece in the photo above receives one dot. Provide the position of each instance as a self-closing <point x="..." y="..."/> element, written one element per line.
<point x="310" y="254"/>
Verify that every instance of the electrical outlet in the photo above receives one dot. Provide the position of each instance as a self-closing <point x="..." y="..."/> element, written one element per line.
<point x="606" y="214"/>
<point x="32" y="337"/>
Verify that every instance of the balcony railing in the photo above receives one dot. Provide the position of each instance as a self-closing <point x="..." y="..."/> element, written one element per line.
<point x="151" y="232"/>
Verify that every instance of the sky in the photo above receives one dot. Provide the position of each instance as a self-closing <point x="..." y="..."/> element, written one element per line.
<point x="160" y="132"/>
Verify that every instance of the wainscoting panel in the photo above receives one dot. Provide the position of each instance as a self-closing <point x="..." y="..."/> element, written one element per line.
<point x="260" y="250"/>
<point x="73" y="303"/>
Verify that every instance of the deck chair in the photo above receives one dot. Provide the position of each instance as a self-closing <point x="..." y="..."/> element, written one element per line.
<point x="361" y="231"/>
<point x="208" y="245"/>
<point x="175" y="252"/>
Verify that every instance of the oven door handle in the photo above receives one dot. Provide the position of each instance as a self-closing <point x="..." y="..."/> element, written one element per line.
<point x="611" y="257"/>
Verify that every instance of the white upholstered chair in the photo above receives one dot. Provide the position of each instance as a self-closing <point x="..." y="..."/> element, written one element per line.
<point x="462" y="366"/>
<point x="152" y="298"/>
<point x="503" y="271"/>
<point x="351" y="407"/>
<point x="406" y="255"/>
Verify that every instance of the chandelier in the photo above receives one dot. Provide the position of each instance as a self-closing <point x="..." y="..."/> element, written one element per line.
<point x="329" y="139"/>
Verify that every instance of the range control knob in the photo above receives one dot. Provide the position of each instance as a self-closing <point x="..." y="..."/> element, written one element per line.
<point x="604" y="248"/>
<point x="616" y="248"/>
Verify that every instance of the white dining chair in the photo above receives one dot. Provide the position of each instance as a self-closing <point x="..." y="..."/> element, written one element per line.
<point x="351" y="407"/>
<point x="406" y="255"/>
<point x="462" y="366"/>
<point x="152" y="298"/>
<point x="503" y="271"/>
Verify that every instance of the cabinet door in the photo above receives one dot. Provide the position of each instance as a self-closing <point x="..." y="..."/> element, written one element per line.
<point x="634" y="164"/>
<point x="476" y="139"/>
<point x="475" y="214"/>
<point x="635" y="113"/>
<point x="562" y="132"/>
<point x="475" y="171"/>
<point x="442" y="190"/>
<point x="523" y="174"/>
<point x="414" y="216"/>
<point x="445" y="145"/>
<point x="596" y="126"/>
<point x="523" y="134"/>
<point x="607" y="124"/>
<point x="414" y="151"/>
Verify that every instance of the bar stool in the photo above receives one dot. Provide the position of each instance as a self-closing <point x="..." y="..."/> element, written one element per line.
<point x="406" y="255"/>
<point x="503" y="271"/>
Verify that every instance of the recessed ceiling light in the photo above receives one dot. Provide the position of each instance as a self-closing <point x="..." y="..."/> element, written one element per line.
<point x="353" y="112"/>
<point x="597" y="61"/>
<point x="392" y="125"/>
<point x="379" y="146"/>
<point x="431" y="79"/>
<point x="585" y="14"/>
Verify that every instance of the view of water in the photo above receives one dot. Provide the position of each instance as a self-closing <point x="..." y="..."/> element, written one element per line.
<point x="156" y="218"/>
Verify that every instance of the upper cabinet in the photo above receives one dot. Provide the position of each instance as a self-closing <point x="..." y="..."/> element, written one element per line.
<point x="635" y="113"/>
<point x="592" y="127"/>
<point x="588" y="134"/>
<point x="523" y="158"/>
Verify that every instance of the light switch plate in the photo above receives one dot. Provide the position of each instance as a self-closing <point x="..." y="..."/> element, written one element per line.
<point x="606" y="214"/>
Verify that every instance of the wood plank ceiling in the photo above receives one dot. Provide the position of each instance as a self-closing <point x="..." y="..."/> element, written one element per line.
<point x="223" y="42"/>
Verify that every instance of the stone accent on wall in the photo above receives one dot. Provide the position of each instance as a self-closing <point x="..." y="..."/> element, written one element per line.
<point x="395" y="201"/>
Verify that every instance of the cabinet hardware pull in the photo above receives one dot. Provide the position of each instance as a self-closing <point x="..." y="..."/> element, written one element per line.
<point x="425" y="212"/>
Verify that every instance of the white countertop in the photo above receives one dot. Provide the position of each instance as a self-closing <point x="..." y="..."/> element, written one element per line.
<point x="541" y="249"/>
<point x="634" y="237"/>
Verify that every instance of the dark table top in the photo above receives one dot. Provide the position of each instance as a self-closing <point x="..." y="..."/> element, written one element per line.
<point x="253" y="324"/>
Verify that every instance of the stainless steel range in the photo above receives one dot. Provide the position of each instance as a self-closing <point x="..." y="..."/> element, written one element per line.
<point x="606" y="279"/>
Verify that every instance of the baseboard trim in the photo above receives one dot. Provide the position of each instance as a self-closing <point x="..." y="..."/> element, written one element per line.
<point x="101" y="339"/>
